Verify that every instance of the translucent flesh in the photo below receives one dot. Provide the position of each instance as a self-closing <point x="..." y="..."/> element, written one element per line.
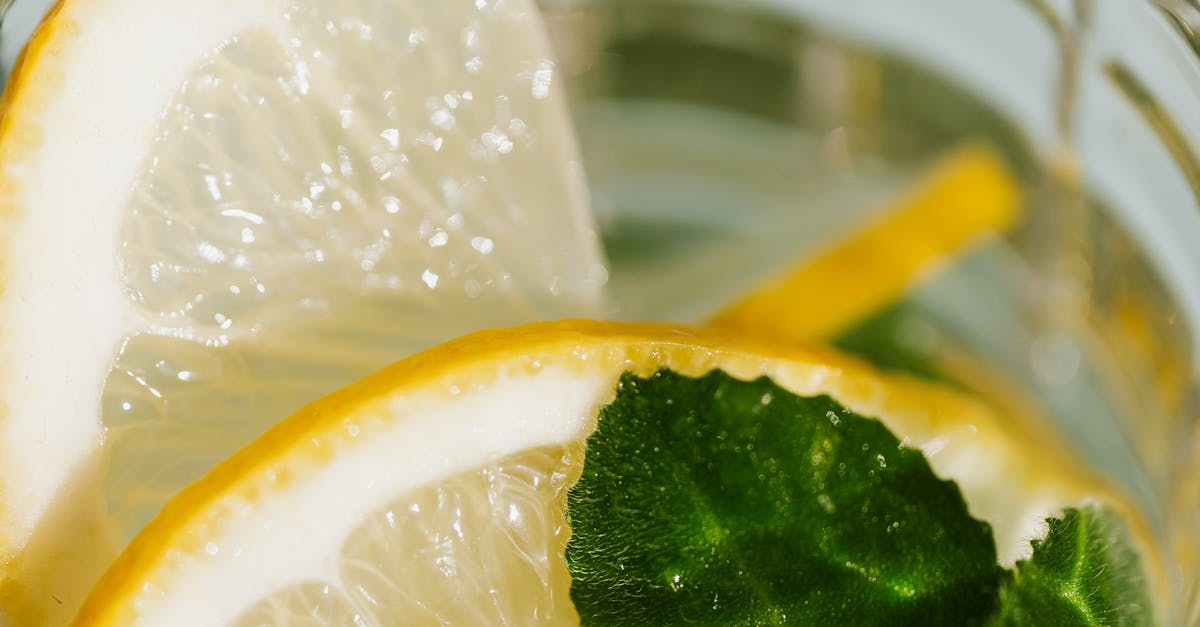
<point x="381" y="177"/>
<point x="483" y="548"/>
<point x="301" y="529"/>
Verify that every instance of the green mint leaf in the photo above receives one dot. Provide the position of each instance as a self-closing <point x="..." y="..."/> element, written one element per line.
<point x="887" y="340"/>
<point x="719" y="501"/>
<point x="1085" y="572"/>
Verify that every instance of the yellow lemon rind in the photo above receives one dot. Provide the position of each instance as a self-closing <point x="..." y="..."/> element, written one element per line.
<point x="909" y="406"/>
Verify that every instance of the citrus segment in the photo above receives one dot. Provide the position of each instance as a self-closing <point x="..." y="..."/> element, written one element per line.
<point x="209" y="220"/>
<point x="967" y="196"/>
<point x="285" y="514"/>
<point x="452" y="554"/>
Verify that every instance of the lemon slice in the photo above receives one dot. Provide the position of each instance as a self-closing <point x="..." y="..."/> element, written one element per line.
<point x="213" y="212"/>
<point x="433" y="490"/>
<point x="965" y="198"/>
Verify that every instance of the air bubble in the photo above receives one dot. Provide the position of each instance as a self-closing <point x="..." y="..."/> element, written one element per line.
<point x="442" y="119"/>
<point x="415" y="38"/>
<point x="392" y="137"/>
<point x="541" y="80"/>
<point x="391" y="204"/>
<point x="482" y="244"/>
<point x="429" y="278"/>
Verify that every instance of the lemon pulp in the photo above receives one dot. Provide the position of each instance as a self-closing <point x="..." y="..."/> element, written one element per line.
<point x="474" y="430"/>
<point x="224" y="230"/>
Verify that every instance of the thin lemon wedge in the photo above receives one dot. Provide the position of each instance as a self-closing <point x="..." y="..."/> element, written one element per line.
<point x="966" y="197"/>
<point x="435" y="490"/>
<point x="213" y="212"/>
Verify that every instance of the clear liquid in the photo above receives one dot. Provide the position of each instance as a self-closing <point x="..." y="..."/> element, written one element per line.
<point x="720" y="142"/>
<point x="718" y="148"/>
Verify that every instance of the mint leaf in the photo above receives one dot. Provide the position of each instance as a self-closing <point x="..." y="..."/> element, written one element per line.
<point x="887" y="340"/>
<point x="1085" y="572"/>
<point x="720" y="501"/>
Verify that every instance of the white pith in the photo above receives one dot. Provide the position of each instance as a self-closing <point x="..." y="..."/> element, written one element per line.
<point x="64" y="310"/>
<point x="295" y="535"/>
<point x="101" y="131"/>
<point x="240" y="553"/>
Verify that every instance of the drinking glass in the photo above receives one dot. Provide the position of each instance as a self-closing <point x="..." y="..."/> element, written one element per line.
<point x="723" y="139"/>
